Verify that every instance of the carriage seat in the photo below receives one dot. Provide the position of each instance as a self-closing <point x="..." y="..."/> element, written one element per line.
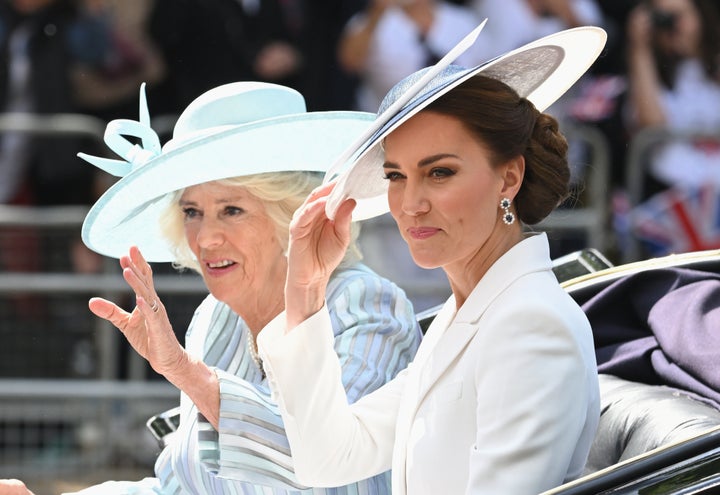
<point x="636" y="418"/>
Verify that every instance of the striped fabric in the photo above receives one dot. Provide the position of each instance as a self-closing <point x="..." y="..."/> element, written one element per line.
<point x="376" y="336"/>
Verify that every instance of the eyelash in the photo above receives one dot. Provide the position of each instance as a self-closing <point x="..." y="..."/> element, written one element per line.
<point x="392" y="176"/>
<point x="442" y="172"/>
<point x="191" y="212"/>
<point x="233" y="210"/>
<point x="435" y="173"/>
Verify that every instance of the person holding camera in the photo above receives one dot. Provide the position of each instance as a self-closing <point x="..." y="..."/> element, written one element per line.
<point x="673" y="56"/>
<point x="516" y="22"/>
<point x="391" y="39"/>
<point x="673" y="60"/>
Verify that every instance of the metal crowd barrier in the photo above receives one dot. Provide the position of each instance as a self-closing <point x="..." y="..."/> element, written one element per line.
<point x="589" y="216"/>
<point x="73" y="398"/>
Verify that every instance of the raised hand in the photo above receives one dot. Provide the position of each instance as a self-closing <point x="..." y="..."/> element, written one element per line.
<point x="13" y="487"/>
<point x="317" y="246"/>
<point x="639" y="28"/>
<point x="147" y="327"/>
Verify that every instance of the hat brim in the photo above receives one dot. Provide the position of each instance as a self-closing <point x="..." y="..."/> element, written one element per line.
<point x="540" y="71"/>
<point x="128" y="213"/>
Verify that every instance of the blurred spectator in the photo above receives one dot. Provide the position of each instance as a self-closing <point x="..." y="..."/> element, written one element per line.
<point x="59" y="56"/>
<point x="327" y="85"/>
<point x="673" y="58"/>
<point x="56" y="56"/>
<point x="600" y="96"/>
<point x="206" y="43"/>
<point x="41" y="43"/>
<point x="674" y="84"/>
<point x="129" y="60"/>
<point x="614" y="14"/>
<point x="391" y="39"/>
<point x="512" y="23"/>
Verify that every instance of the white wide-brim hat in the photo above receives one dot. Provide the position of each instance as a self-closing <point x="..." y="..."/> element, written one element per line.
<point x="540" y="71"/>
<point x="233" y="130"/>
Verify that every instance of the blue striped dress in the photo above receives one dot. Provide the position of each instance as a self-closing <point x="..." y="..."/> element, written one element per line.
<point x="376" y="336"/>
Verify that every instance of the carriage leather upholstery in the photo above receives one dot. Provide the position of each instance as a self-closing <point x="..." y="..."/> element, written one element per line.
<point x="636" y="418"/>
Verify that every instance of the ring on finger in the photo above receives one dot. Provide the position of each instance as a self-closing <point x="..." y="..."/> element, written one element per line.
<point x="155" y="306"/>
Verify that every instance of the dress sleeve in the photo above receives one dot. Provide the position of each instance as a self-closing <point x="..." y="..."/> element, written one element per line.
<point x="333" y="442"/>
<point x="371" y="334"/>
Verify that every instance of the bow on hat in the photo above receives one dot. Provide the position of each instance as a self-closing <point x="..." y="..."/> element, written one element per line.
<point x="116" y="138"/>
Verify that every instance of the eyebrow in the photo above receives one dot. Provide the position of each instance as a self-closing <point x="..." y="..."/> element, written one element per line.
<point x="429" y="160"/>
<point x="183" y="202"/>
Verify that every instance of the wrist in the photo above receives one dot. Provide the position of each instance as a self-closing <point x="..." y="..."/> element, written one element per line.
<point x="200" y="383"/>
<point x="303" y="302"/>
<point x="191" y="374"/>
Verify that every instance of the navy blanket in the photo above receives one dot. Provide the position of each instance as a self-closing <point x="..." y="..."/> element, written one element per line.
<point x="661" y="326"/>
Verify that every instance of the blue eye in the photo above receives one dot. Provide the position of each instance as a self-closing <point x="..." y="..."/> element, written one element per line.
<point x="190" y="212"/>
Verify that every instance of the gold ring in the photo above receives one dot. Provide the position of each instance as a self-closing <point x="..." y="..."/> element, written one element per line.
<point x="155" y="306"/>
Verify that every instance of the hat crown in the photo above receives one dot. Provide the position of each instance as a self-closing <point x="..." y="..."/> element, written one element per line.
<point x="236" y="104"/>
<point x="523" y="71"/>
<point x="401" y="87"/>
<point x="227" y="106"/>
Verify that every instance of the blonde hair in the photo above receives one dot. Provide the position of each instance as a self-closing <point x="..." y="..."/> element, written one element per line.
<point x="281" y="193"/>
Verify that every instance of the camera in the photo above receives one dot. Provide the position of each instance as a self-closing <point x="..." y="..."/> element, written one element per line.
<point x="663" y="21"/>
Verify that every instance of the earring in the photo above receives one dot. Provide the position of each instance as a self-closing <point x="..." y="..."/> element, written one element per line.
<point x="507" y="216"/>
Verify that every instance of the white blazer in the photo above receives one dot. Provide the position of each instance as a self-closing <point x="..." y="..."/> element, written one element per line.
<point x="502" y="397"/>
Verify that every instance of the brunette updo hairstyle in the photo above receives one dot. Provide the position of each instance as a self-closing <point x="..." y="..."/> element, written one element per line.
<point x="509" y="126"/>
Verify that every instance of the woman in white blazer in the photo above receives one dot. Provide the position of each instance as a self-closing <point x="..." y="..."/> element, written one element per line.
<point x="502" y="397"/>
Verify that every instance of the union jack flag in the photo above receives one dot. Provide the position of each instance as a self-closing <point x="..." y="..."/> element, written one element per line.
<point x="679" y="220"/>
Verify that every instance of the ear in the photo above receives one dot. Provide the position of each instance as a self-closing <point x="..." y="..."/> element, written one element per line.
<point x="512" y="173"/>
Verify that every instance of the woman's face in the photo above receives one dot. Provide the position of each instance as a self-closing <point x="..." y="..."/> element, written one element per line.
<point x="683" y="39"/>
<point x="443" y="192"/>
<point x="235" y="243"/>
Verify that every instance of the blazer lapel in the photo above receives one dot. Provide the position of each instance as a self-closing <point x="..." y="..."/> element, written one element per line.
<point x="451" y="332"/>
<point x="449" y="335"/>
<point x="410" y="399"/>
<point x="451" y="338"/>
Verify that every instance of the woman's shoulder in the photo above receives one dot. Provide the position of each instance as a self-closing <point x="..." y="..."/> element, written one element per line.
<point x="541" y="290"/>
<point x="531" y="299"/>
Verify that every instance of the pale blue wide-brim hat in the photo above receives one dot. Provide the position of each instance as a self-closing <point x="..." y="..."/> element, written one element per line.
<point x="233" y="130"/>
<point x="540" y="71"/>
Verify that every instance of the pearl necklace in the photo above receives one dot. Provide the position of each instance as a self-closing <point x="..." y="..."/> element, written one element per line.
<point x="253" y="353"/>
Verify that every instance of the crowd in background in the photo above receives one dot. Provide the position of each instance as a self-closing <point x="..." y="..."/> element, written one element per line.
<point x="660" y="68"/>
